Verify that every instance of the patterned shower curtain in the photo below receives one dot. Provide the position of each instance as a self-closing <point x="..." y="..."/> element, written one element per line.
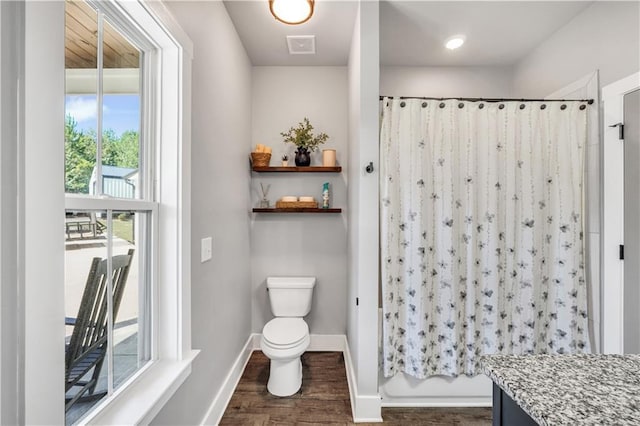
<point x="481" y="232"/>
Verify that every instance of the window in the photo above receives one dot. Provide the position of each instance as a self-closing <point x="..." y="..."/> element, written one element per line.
<point x="108" y="256"/>
<point x="116" y="126"/>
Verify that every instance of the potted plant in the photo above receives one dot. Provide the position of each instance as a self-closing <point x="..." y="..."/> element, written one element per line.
<point x="285" y="160"/>
<point x="303" y="138"/>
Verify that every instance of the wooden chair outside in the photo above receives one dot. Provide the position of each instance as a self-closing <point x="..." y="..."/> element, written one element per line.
<point x="87" y="347"/>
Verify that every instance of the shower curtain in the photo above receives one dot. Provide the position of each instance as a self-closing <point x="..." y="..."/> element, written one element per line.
<point x="481" y="232"/>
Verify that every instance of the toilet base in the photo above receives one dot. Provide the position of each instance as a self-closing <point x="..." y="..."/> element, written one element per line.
<point x="285" y="377"/>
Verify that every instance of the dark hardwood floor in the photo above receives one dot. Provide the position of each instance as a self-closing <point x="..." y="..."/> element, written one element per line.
<point x="324" y="399"/>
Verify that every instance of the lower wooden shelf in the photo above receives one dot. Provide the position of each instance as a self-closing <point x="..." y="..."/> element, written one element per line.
<point x="296" y="210"/>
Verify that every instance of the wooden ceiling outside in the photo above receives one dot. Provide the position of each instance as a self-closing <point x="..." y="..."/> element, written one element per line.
<point x="81" y="41"/>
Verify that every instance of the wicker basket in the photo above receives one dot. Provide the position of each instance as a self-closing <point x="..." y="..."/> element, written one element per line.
<point x="260" y="159"/>
<point x="296" y="204"/>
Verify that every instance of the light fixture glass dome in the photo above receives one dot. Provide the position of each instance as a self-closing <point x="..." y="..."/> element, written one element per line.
<point x="292" y="12"/>
<point x="454" y="42"/>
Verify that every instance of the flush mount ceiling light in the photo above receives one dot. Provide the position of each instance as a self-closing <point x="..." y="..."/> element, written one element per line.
<point x="454" y="42"/>
<point x="291" y="12"/>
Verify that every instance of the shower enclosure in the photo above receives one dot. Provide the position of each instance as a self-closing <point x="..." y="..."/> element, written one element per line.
<point x="482" y="236"/>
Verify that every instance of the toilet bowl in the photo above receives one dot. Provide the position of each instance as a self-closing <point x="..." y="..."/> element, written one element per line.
<point x="283" y="341"/>
<point x="286" y="337"/>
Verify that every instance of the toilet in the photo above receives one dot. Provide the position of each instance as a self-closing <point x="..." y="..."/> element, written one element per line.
<point x="286" y="337"/>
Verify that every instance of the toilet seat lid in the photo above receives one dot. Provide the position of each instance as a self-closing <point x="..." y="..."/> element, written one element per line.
<point x="285" y="331"/>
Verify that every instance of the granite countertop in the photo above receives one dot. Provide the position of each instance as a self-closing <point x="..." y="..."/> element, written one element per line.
<point x="571" y="389"/>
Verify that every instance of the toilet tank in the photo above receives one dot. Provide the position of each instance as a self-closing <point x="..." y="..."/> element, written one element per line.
<point x="290" y="296"/>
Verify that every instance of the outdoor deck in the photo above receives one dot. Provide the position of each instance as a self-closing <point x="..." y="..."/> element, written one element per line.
<point x="78" y="255"/>
<point x="125" y="363"/>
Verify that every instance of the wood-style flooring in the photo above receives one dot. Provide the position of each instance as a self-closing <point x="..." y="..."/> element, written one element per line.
<point x="324" y="399"/>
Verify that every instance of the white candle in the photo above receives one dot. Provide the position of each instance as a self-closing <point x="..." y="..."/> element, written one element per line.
<point x="328" y="157"/>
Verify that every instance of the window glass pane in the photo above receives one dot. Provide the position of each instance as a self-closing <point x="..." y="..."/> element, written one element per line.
<point x="130" y="339"/>
<point x="121" y="116"/>
<point x="81" y="74"/>
<point x="85" y="248"/>
<point x="91" y="355"/>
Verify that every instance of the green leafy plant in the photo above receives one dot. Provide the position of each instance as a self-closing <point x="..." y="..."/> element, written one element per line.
<point x="80" y="153"/>
<point x="303" y="138"/>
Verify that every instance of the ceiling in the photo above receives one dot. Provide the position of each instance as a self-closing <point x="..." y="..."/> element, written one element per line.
<point x="264" y="38"/>
<point x="81" y="29"/>
<point x="412" y="33"/>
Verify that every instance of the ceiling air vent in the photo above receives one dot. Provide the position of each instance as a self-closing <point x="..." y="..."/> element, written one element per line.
<point x="301" y="45"/>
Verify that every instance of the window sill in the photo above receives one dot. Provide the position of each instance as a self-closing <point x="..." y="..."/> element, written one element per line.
<point x="141" y="400"/>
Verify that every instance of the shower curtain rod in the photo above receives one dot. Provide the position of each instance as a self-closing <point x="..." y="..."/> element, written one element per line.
<point x="589" y="101"/>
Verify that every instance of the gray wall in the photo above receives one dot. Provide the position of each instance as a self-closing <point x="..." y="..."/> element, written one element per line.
<point x="353" y="179"/>
<point x="471" y="82"/>
<point x="605" y="37"/>
<point x="11" y="66"/>
<point x="220" y="289"/>
<point x="300" y="244"/>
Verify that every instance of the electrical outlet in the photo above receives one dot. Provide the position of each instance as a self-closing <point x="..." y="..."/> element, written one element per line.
<point x="206" y="249"/>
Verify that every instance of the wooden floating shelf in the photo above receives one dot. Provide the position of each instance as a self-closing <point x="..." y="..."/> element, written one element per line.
<point x="296" y="210"/>
<point x="295" y="169"/>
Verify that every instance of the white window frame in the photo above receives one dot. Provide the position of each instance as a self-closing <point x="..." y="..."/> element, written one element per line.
<point x="40" y="250"/>
<point x="149" y="389"/>
<point x="107" y="14"/>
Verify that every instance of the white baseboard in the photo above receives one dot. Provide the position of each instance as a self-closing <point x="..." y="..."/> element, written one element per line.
<point x="327" y="343"/>
<point x="351" y="376"/>
<point x="364" y="408"/>
<point x="255" y="341"/>
<point x="367" y="409"/>
<point x="220" y="402"/>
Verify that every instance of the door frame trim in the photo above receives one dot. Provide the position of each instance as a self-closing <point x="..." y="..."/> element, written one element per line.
<point x="613" y="212"/>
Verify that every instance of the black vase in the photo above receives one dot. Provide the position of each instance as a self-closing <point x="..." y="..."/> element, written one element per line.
<point x="303" y="157"/>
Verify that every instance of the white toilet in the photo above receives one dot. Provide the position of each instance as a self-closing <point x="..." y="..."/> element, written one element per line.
<point x="286" y="337"/>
